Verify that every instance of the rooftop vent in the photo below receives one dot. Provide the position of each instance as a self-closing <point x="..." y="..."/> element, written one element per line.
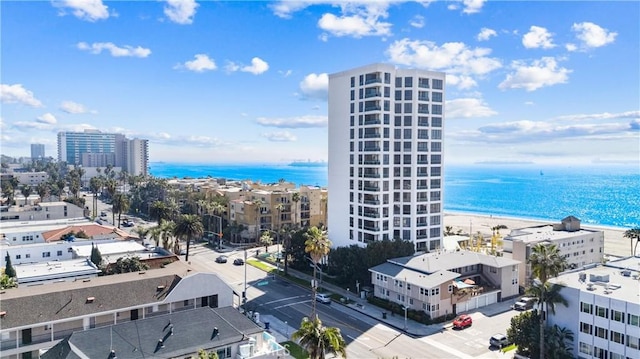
<point x="590" y="286"/>
<point x="626" y="273"/>
<point x="3" y="313"/>
<point x="582" y="276"/>
<point x="599" y="277"/>
<point x="90" y="299"/>
<point x="160" y="287"/>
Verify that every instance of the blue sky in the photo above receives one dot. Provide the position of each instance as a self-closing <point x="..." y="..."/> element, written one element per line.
<point x="240" y="81"/>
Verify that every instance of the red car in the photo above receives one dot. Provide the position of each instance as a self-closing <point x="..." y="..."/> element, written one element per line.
<point x="462" y="322"/>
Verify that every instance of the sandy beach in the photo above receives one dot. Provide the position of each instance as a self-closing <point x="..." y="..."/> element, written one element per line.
<point x="614" y="242"/>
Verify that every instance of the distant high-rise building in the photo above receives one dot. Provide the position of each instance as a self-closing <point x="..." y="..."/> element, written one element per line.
<point x="37" y="151"/>
<point x="385" y="156"/>
<point x="93" y="148"/>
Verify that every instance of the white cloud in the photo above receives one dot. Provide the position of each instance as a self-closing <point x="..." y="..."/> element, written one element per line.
<point x="315" y="86"/>
<point x="529" y="103"/>
<point x="48" y="119"/>
<point x="201" y="63"/>
<point x="571" y="47"/>
<point x="417" y="21"/>
<point x="232" y="66"/>
<point x="286" y="73"/>
<point x="357" y="25"/>
<point x="72" y="107"/>
<point x="543" y="131"/>
<point x="283" y="136"/>
<point x="592" y="35"/>
<point x="468" y="108"/>
<point x="125" y="51"/>
<point x="285" y="8"/>
<point x="18" y="94"/>
<point x="600" y="116"/>
<point x="485" y="34"/>
<point x="462" y="82"/>
<point x="538" y="37"/>
<point x="89" y="10"/>
<point x="541" y="73"/>
<point x="181" y="11"/>
<point x="468" y="6"/>
<point x="308" y="121"/>
<point x="455" y="58"/>
<point x="257" y="67"/>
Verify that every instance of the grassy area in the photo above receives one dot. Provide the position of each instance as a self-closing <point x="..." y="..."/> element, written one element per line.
<point x="258" y="264"/>
<point x="508" y="348"/>
<point x="295" y="350"/>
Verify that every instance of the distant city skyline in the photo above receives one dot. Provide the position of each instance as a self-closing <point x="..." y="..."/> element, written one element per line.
<point x="246" y="82"/>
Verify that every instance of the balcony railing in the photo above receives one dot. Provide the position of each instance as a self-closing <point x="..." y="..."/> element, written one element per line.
<point x="372" y="80"/>
<point x="371" y="228"/>
<point x="371" y="201"/>
<point x="372" y="148"/>
<point x="371" y="175"/>
<point x="423" y="174"/>
<point x="372" y="108"/>
<point x="371" y="215"/>
<point x="372" y="122"/>
<point x="372" y="94"/>
<point x="371" y="188"/>
<point x="371" y="162"/>
<point x="372" y="135"/>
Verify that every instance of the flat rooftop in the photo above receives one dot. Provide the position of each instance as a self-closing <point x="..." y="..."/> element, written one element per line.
<point x="610" y="279"/>
<point x="541" y="233"/>
<point x="34" y="272"/>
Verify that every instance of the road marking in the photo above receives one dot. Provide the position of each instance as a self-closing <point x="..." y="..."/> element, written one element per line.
<point x="283" y="299"/>
<point x="290" y="304"/>
<point x="456" y="353"/>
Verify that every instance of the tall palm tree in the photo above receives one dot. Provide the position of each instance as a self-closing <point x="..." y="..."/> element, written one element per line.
<point x="26" y="192"/>
<point x="156" y="234"/>
<point x="318" y="245"/>
<point x="159" y="211"/>
<point x="189" y="226"/>
<point x="319" y="340"/>
<point x="546" y="261"/>
<point x="295" y="198"/>
<point x="633" y="234"/>
<point x="43" y="189"/>
<point x="120" y="205"/>
<point x="95" y="184"/>
<point x="257" y="203"/>
<point x="167" y="228"/>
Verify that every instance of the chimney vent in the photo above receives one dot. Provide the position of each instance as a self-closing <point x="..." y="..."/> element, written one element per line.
<point x="90" y="299"/>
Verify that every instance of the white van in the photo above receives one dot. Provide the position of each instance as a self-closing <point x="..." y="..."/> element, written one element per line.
<point x="524" y="303"/>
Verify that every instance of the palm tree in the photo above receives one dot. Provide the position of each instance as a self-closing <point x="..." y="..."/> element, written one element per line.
<point x="295" y="198"/>
<point x="189" y="226"/>
<point x="142" y="232"/>
<point x="120" y="205"/>
<point x="546" y="261"/>
<point x="318" y="245"/>
<point x="266" y="240"/>
<point x="633" y="234"/>
<point x="95" y="184"/>
<point x="559" y="343"/>
<point x="258" y="204"/>
<point x="43" y="190"/>
<point x="167" y="230"/>
<point x="159" y="211"/>
<point x="318" y="339"/>
<point x="156" y="234"/>
<point x="26" y="192"/>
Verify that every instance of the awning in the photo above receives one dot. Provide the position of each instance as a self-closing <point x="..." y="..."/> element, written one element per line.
<point x="462" y="285"/>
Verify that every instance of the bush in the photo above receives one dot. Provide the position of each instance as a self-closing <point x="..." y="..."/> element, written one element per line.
<point x="395" y="308"/>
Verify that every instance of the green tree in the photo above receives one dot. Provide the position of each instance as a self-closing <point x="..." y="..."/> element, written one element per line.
<point x="26" y="192"/>
<point x="559" y="343"/>
<point x="127" y="265"/>
<point x="317" y="245"/>
<point x="319" y="340"/>
<point x="96" y="256"/>
<point x="189" y="226"/>
<point x="120" y="205"/>
<point x="95" y="185"/>
<point x="632" y="234"/>
<point x="295" y="198"/>
<point x="156" y="234"/>
<point x="524" y="333"/>
<point x="6" y="281"/>
<point x="43" y="190"/>
<point x="8" y="267"/>
<point x="266" y="240"/>
<point x="202" y="354"/>
<point x="546" y="262"/>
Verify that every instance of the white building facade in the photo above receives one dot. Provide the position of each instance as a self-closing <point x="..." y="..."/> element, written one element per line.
<point x="603" y="309"/>
<point x="386" y="156"/>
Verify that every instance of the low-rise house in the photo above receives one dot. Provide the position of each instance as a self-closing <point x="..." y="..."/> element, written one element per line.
<point x="34" y="318"/>
<point x="603" y="310"/>
<point x="577" y="245"/>
<point x="442" y="283"/>
<point x="58" y="210"/>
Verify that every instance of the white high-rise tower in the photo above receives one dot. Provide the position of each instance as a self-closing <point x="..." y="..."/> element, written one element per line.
<point x="386" y="156"/>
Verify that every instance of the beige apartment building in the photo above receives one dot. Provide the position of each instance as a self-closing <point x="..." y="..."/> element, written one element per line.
<point x="578" y="245"/>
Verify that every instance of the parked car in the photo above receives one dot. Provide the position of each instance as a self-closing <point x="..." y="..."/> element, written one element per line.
<point x="103" y="214"/>
<point x="222" y="259"/>
<point x="462" y="321"/>
<point x="323" y="298"/>
<point x="238" y="261"/>
<point x="524" y="303"/>
<point x="499" y="340"/>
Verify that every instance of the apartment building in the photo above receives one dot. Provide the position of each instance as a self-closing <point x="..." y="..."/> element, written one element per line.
<point x="603" y="309"/>
<point x="37" y="151"/>
<point x="386" y="156"/>
<point x="93" y="148"/>
<point x="35" y="318"/>
<point x="446" y="282"/>
<point x="58" y="210"/>
<point x="579" y="246"/>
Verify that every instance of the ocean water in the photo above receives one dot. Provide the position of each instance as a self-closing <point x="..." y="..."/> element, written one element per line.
<point x="597" y="195"/>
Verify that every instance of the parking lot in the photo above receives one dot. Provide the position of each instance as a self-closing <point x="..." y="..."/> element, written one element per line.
<point x="473" y="342"/>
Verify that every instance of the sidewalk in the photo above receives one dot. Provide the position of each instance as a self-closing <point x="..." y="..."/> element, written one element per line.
<point x="408" y="326"/>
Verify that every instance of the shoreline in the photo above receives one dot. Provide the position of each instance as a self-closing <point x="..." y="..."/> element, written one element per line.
<point x="614" y="242"/>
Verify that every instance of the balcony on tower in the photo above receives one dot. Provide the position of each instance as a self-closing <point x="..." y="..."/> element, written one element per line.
<point x="372" y="105"/>
<point x="371" y="160"/>
<point x="371" y="199"/>
<point x="372" y="78"/>
<point x="371" y="133"/>
<point x="371" y="173"/>
<point x="372" y="92"/>
<point x="370" y="186"/>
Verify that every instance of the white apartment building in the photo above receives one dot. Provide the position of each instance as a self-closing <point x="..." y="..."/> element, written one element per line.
<point x="579" y="246"/>
<point x="386" y="156"/>
<point x="603" y="309"/>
